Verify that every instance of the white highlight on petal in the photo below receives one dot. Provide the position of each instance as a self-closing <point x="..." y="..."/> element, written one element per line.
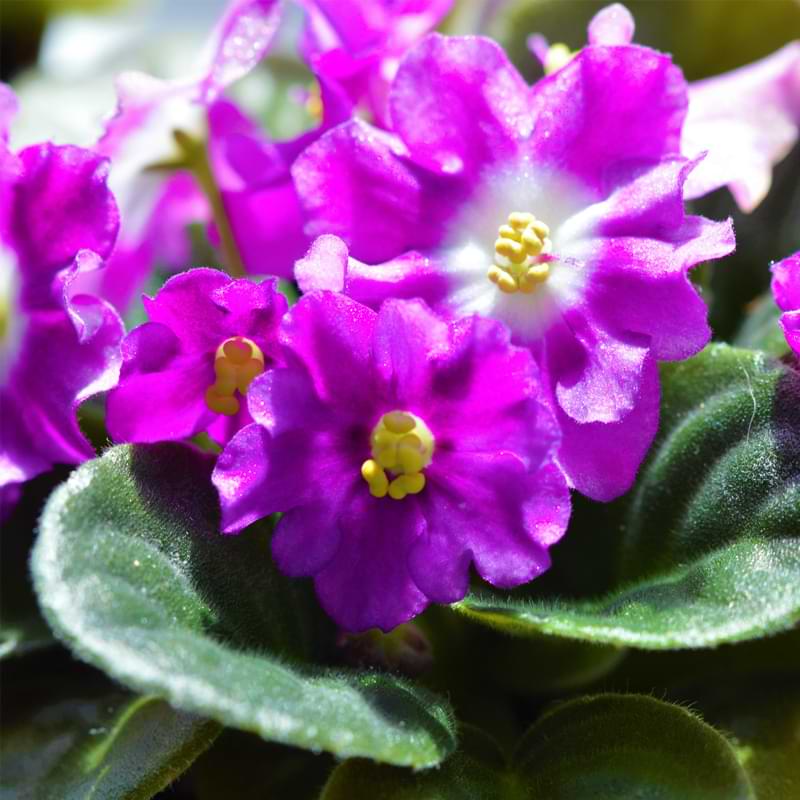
<point x="468" y="249"/>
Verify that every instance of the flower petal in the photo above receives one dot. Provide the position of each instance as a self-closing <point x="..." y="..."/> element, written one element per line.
<point x="609" y="104"/>
<point x="458" y="103"/>
<point x="601" y="459"/>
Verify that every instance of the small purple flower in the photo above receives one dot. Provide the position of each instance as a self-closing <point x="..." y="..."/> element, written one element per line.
<point x="357" y="44"/>
<point x="58" y="345"/>
<point x="187" y="369"/>
<point x="400" y="449"/>
<point x="786" y="289"/>
<point x="557" y="209"/>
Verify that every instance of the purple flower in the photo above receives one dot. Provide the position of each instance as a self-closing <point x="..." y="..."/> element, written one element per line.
<point x="357" y="44"/>
<point x="400" y="449"/>
<point x="58" y="345"/>
<point x="187" y="369"/>
<point x="255" y="182"/>
<point x="139" y="136"/>
<point x="595" y="283"/>
<point x="744" y="121"/>
<point x="786" y="289"/>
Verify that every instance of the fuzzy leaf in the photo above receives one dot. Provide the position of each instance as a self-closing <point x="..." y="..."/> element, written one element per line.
<point x="604" y="747"/>
<point x="133" y="575"/>
<point x="710" y="542"/>
<point x="80" y="743"/>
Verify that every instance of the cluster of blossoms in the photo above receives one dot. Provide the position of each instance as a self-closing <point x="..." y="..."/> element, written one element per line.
<point x="490" y="272"/>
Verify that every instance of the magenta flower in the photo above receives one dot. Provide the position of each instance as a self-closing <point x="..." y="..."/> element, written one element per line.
<point x="786" y="289"/>
<point x="255" y="182"/>
<point x="187" y="369"/>
<point x="357" y="44"/>
<point x="155" y="212"/>
<point x="58" y="345"/>
<point x="556" y="209"/>
<point x="400" y="449"/>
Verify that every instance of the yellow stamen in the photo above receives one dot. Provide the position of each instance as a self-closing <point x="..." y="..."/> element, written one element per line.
<point x="558" y="55"/>
<point x="519" y="250"/>
<point x="403" y="445"/>
<point x="236" y="363"/>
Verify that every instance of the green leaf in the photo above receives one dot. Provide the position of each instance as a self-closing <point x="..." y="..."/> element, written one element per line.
<point x="133" y="575"/>
<point x="65" y="739"/>
<point x="22" y="628"/>
<point x="477" y="770"/>
<point x="711" y="530"/>
<point x="613" y="746"/>
<point x="604" y="747"/>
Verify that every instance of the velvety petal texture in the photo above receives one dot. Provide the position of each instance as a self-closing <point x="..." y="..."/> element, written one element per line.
<point x="786" y="289"/>
<point x="59" y="345"/>
<point x="591" y="154"/>
<point x="492" y="495"/>
<point x="169" y="363"/>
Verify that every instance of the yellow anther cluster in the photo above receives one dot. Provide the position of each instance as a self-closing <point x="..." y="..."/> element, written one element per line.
<point x="520" y="243"/>
<point x="236" y="363"/>
<point x="402" y="446"/>
<point x="558" y="55"/>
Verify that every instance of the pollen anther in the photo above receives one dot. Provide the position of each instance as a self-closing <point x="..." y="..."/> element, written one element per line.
<point x="521" y="249"/>
<point x="402" y="446"/>
<point x="236" y="363"/>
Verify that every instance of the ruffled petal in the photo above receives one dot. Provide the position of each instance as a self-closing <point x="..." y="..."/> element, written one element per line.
<point x="786" y="282"/>
<point x="61" y="205"/>
<point x="612" y="25"/>
<point x="331" y="336"/>
<point x="640" y="286"/>
<point x="366" y="584"/>
<point x="595" y="374"/>
<point x="353" y="182"/>
<point x="601" y="459"/>
<point x="327" y="265"/>
<point x="54" y="372"/>
<point x="486" y="508"/>
<point x="609" y="104"/>
<point x="161" y="405"/>
<point x="408" y="335"/>
<point x="459" y="104"/>
<point x="747" y="120"/>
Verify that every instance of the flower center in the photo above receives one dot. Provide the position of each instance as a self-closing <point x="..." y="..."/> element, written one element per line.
<point x="522" y="248"/>
<point x="402" y="445"/>
<point x="558" y="56"/>
<point x="237" y="361"/>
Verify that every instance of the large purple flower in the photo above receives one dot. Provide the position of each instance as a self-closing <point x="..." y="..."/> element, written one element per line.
<point x="400" y="449"/>
<point x="786" y="289"/>
<point x="58" y="345"/>
<point x="595" y="283"/>
<point x="187" y="369"/>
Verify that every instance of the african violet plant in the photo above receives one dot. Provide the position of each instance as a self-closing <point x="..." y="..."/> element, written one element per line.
<point x="449" y="351"/>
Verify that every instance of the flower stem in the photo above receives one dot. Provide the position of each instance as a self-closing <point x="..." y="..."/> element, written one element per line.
<point x="196" y="154"/>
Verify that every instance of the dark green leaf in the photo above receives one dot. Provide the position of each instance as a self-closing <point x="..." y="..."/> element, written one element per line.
<point x="624" y="746"/>
<point x="69" y="736"/>
<point x="476" y="772"/>
<point x="133" y="575"/>
<point x="711" y="534"/>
